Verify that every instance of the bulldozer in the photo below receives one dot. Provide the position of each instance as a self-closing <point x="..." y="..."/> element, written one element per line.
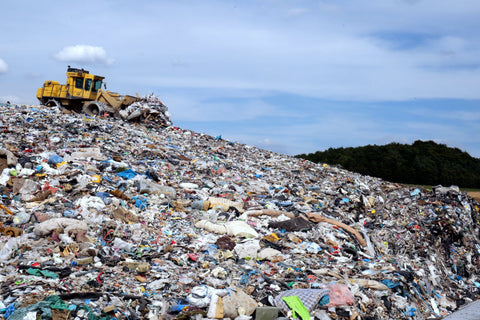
<point x="83" y="93"/>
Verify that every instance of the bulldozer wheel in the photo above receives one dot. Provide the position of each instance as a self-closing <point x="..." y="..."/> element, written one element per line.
<point x="92" y="109"/>
<point x="53" y="103"/>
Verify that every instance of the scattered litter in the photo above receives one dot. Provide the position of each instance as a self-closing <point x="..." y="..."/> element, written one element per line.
<point x="102" y="218"/>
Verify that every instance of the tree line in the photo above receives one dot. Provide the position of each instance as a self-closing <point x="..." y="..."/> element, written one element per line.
<point x="422" y="163"/>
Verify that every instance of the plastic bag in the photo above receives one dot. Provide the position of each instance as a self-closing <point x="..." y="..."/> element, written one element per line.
<point x="22" y="217"/>
<point x="54" y="159"/>
<point x="122" y="245"/>
<point x="200" y="296"/>
<point x="340" y="295"/>
<point x="10" y="246"/>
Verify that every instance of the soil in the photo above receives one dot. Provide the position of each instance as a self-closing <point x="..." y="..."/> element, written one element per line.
<point x="3" y="164"/>
<point x="475" y="195"/>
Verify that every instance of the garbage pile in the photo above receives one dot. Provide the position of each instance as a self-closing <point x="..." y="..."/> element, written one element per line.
<point x="105" y="219"/>
<point x="149" y="109"/>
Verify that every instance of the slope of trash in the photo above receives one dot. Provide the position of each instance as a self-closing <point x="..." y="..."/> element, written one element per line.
<point x="104" y="219"/>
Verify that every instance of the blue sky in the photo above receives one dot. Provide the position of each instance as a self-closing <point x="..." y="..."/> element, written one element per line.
<point x="288" y="76"/>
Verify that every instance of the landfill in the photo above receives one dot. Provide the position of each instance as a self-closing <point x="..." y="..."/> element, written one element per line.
<point x="149" y="109"/>
<point x="107" y="219"/>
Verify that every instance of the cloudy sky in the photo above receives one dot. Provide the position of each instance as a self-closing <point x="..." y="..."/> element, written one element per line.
<point x="288" y="76"/>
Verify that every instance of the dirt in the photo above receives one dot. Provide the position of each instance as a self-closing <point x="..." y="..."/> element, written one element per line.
<point x="3" y="164"/>
<point x="475" y="195"/>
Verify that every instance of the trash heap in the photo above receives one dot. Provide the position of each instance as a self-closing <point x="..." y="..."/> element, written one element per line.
<point x="106" y="219"/>
<point x="149" y="109"/>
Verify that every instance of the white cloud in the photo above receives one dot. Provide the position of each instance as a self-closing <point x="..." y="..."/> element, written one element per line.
<point x="3" y="66"/>
<point x="83" y="53"/>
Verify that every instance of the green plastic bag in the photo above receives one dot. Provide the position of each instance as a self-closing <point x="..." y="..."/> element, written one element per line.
<point x="297" y="307"/>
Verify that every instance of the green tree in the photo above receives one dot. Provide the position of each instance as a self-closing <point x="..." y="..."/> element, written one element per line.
<point x="422" y="162"/>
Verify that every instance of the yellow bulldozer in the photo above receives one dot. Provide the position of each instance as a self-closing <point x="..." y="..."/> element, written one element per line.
<point x="83" y="93"/>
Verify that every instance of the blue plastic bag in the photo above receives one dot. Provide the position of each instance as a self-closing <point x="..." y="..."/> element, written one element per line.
<point x="54" y="159"/>
<point x="127" y="174"/>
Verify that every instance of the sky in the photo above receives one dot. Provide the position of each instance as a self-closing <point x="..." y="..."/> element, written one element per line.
<point x="283" y="75"/>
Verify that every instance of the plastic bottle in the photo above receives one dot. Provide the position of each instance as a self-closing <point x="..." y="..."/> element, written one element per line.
<point x="212" y="249"/>
<point x="410" y="312"/>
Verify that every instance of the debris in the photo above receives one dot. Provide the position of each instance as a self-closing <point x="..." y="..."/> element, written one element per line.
<point x="149" y="222"/>
<point x="9" y="156"/>
<point x="318" y="218"/>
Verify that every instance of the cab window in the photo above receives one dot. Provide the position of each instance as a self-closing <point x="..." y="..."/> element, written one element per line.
<point x="79" y="83"/>
<point x="88" y="84"/>
<point x="97" y="84"/>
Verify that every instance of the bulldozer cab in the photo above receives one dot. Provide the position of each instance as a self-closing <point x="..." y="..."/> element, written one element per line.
<point x="83" y="85"/>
